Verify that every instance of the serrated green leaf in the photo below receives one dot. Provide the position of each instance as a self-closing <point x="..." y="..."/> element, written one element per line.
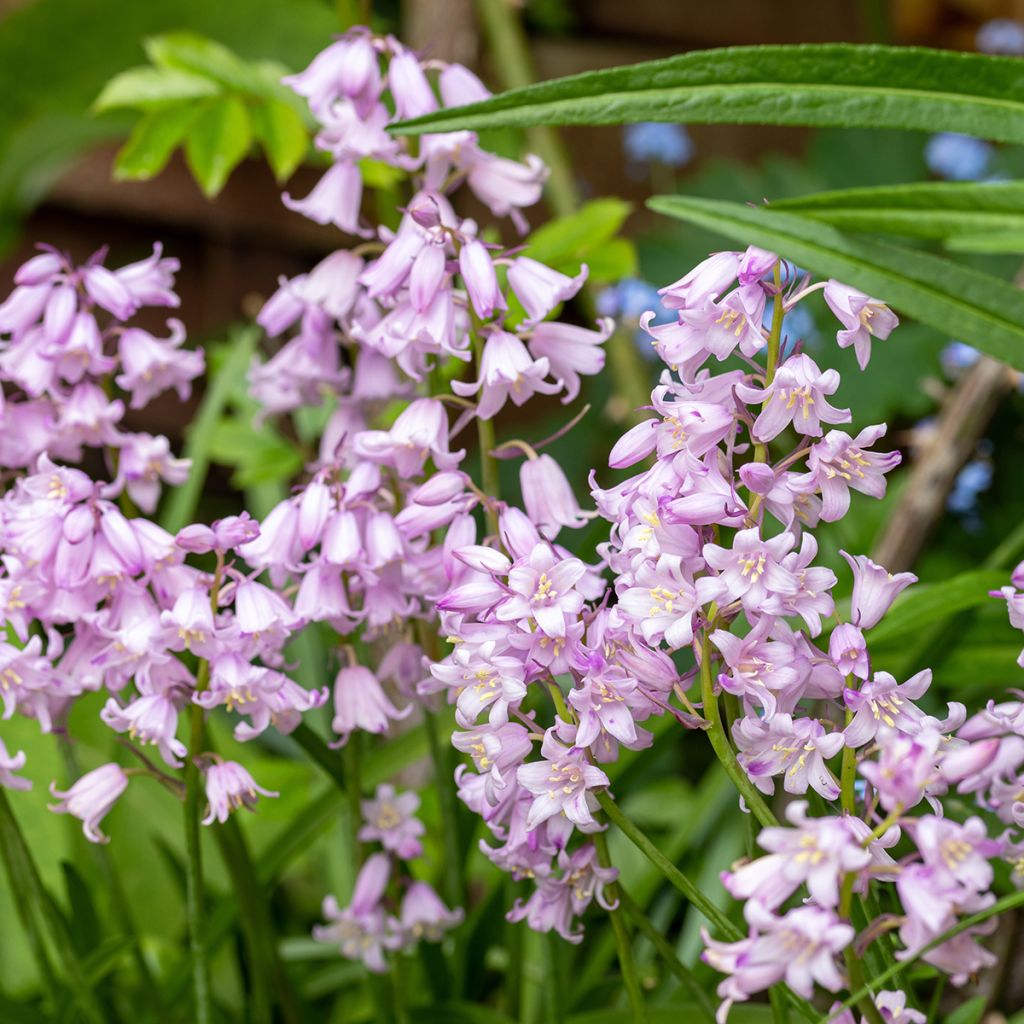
<point x="152" y="141"/>
<point x="933" y="209"/>
<point x="151" y="88"/>
<point x="929" y="602"/>
<point x="282" y="132"/>
<point x="973" y="307"/>
<point x="828" y="84"/>
<point x="217" y="142"/>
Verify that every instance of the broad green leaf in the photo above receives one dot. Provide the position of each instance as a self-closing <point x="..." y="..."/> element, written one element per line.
<point x="152" y="141"/>
<point x="970" y="1012"/>
<point x="926" y="603"/>
<point x="991" y="242"/>
<point x="830" y="84"/>
<point x="151" y="88"/>
<point x="199" y="55"/>
<point x="282" y="132"/>
<point x="934" y="209"/>
<point x="566" y="238"/>
<point x="217" y="142"/>
<point x="612" y="261"/>
<point x="973" y="307"/>
<point x="258" y="455"/>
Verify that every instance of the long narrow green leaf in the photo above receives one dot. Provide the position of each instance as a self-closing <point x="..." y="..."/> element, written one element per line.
<point x="182" y="502"/>
<point x="929" y="209"/>
<point x="830" y="84"/>
<point x="39" y="911"/>
<point x="991" y="242"/>
<point x="973" y="307"/>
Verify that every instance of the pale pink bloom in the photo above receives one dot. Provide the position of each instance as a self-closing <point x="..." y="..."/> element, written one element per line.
<point x="148" y="719"/>
<point x="335" y="198"/>
<point x="874" y="589"/>
<point x="91" y="798"/>
<point x="424" y="916"/>
<point x="9" y="764"/>
<point x="230" y="787"/>
<point x="389" y="819"/>
<point x="540" y="289"/>
<point x="862" y="317"/>
<point x="507" y="371"/>
<point x="797" y="396"/>
<point x="360" y="703"/>
<point x="151" y="365"/>
<point x="548" y="497"/>
<point x="571" y="351"/>
<point x="560" y="784"/>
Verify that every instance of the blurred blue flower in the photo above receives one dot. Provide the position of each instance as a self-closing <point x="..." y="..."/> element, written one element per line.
<point x="629" y="300"/>
<point x="957" y="356"/>
<point x="971" y="481"/>
<point x="957" y="157"/>
<point x="1001" y="35"/>
<point x="657" y="142"/>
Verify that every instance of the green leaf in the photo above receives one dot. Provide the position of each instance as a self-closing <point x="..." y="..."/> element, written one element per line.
<point x="282" y="132"/>
<point x="199" y="55"/>
<point x="182" y="501"/>
<point x="970" y="1012"/>
<point x="151" y="88"/>
<point x="927" y="603"/>
<point x="991" y="242"/>
<point x="258" y="455"/>
<point x="217" y="142"/>
<point x="933" y="209"/>
<point x="612" y="261"/>
<point x="568" y="239"/>
<point x="152" y="141"/>
<point x="830" y="84"/>
<point x="976" y="308"/>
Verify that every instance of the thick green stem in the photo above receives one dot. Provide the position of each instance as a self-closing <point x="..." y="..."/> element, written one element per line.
<point x="854" y="967"/>
<point x="720" y="741"/>
<point x="623" y="943"/>
<point x="490" y="479"/>
<point x="194" y="898"/>
<point x="664" y="949"/>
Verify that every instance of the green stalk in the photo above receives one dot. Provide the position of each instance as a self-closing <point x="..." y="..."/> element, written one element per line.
<point x="1010" y="902"/>
<point x="509" y="50"/>
<point x="195" y="908"/>
<point x="194" y="899"/>
<point x="664" y="949"/>
<point x="666" y="867"/>
<point x="854" y="967"/>
<point x="720" y="741"/>
<point x="623" y="943"/>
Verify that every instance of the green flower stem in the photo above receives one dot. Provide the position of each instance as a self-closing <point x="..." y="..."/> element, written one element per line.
<point x="623" y="942"/>
<point x="715" y="916"/>
<point x="664" y="949"/>
<point x="666" y="867"/>
<point x="194" y="897"/>
<point x="195" y="908"/>
<point x="720" y="741"/>
<point x="854" y="967"/>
